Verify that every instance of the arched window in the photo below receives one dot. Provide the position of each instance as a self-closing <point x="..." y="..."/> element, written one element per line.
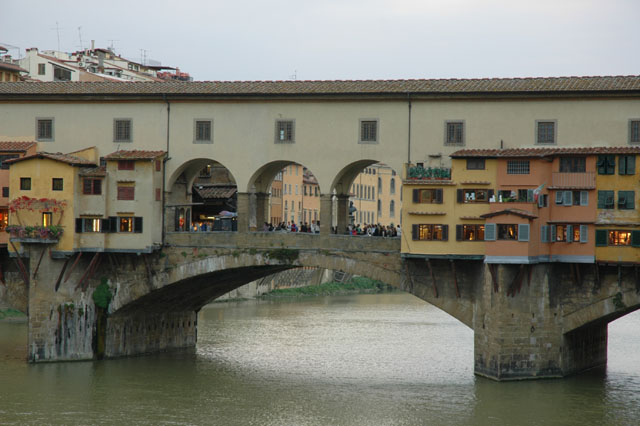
<point x="392" y="186"/>
<point x="379" y="185"/>
<point x="392" y="209"/>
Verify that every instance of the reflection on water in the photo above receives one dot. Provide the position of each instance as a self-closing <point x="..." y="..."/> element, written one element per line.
<point x="353" y="360"/>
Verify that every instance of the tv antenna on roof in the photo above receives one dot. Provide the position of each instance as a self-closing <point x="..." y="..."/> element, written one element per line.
<point x="111" y="47"/>
<point x="57" y="28"/>
<point x="294" y="76"/>
<point x="143" y="56"/>
<point x="80" y="36"/>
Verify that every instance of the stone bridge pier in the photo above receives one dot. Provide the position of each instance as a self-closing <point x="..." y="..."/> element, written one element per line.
<point x="529" y="321"/>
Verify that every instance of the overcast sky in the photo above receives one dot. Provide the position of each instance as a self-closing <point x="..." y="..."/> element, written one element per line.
<point x="343" y="39"/>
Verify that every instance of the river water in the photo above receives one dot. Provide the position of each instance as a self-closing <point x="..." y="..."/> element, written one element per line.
<point x="385" y="359"/>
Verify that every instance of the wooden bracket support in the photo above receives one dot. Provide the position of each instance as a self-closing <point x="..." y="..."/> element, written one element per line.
<point x="455" y="278"/>
<point x="21" y="267"/>
<point x="35" y="272"/>
<point x="87" y="271"/>
<point x="59" y="280"/>
<point x="406" y="266"/>
<point x="494" y="279"/>
<point x="66" y="278"/>
<point x="516" y="284"/>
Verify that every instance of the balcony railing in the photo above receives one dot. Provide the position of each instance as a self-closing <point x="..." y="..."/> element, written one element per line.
<point x="586" y="180"/>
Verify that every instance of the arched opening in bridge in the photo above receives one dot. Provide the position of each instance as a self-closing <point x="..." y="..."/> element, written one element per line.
<point x="202" y="197"/>
<point x="286" y="197"/>
<point x="368" y="199"/>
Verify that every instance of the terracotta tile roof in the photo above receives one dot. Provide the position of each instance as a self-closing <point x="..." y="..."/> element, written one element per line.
<point x="6" y="146"/>
<point x="213" y="191"/>
<point x="433" y="87"/>
<point x="93" y="172"/>
<point x="545" y="152"/>
<point x="57" y="156"/>
<point x="134" y="154"/>
<point x="11" y="67"/>
<point x="522" y="213"/>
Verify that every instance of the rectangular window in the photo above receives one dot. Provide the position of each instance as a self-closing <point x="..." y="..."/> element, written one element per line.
<point x="508" y="232"/>
<point x="126" y="165"/>
<point x="122" y="130"/>
<point x="5" y="191"/>
<point x="41" y="69"/>
<point x="158" y="165"/>
<point x="368" y="131"/>
<point x="606" y="199"/>
<point x="518" y="167"/>
<point x="285" y="131"/>
<point x="4" y="158"/>
<point x="454" y="133"/>
<point x="25" y="184"/>
<point x="627" y="165"/>
<point x="619" y="238"/>
<point x="92" y="186"/>
<point x="126" y="224"/>
<point x="572" y="198"/>
<point x="427" y="196"/>
<point x="474" y="195"/>
<point x="573" y="165"/>
<point x="546" y="132"/>
<point x="475" y="163"/>
<point x="91" y="225"/>
<point x="634" y="131"/>
<point x="427" y="232"/>
<point x="158" y="194"/>
<point x="56" y="184"/>
<point x="626" y="200"/>
<point x="569" y="233"/>
<point x="44" y="129"/>
<point x="203" y="131"/>
<point x="46" y="218"/>
<point x="606" y="164"/>
<point x="470" y="232"/>
<point x="61" y="74"/>
<point x="126" y="191"/>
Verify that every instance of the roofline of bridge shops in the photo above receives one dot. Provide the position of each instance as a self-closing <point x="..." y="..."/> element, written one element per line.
<point x="442" y="256"/>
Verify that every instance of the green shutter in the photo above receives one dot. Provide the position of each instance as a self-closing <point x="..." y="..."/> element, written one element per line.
<point x="631" y="165"/>
<point x="601" y="237"/>
<point x="416" y="196"/>
<point x="622" y="165"/>
<point x="490" y="232"/>
<point x="635" y="238"/>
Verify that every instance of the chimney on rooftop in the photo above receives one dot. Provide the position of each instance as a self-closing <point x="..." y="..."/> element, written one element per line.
<point x="93" y="44"/>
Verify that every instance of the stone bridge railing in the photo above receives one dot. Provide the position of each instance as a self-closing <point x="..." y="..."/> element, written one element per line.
<point x="289" y="240"/>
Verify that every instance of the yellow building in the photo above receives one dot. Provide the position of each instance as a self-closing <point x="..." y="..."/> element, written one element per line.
<point x="441" y="216"/>
<point x="618" y="222"/>
<point x="376" y="195"/>
<point x="68" y="200"/>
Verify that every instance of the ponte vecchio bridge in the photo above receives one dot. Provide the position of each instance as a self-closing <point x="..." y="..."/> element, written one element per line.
<point x="529" y="321"/>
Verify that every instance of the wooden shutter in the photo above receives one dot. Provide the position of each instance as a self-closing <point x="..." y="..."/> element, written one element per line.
<point x="529" y="195"/>
<point x="631" y="200"/>
<point x="78" y="225"/>
<point x="490" y="232"/>
<point x="601" y="237"/>
<point x="631" y="165"/>
<point x="635" y="238"/>
<point x="137" y="225"/>
<point x="569" y="233"/>
<point x="126" y="192"/>
<point x="445" y="232"/>
<point x="460" y="196"/>
<point x="611" y="164"/>
<point x="602" y="165"/>
<point x="105" y="225"/>
<point x="584" y="233"/>
<point x="567" y="198"/>
<point x="416" y="196"/>
<point x="544" y="234"/>
<point x="523" y="232"/>
<point x="602" y="197"/>
<point x="559" y="197"/>
<point x="554" y="233"/>
<point x="490" y="194"/>
<point x="414" y="232"/>
<point x="584" y="198"/>
<point x="622" y="165"/>
<point x="439" y="196"/>
<point x="113" y="224"/>
<point x="458" y="232"/>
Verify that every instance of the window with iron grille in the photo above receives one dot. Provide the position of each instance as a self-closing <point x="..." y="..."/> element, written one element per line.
<point x="368" y="131"/>
<point x="454" y="133"/>
<point x="285" y="131"/>
<point x="634" y="131"/>
<point x="57" y="184"/>
<point x="545" y="132"/>
<point x="25" y="183"/>
<point x="518" y="167"/>
<point x="203" y="131"/>
<point x="44" y="129"/>
<point x="122" y="130"/>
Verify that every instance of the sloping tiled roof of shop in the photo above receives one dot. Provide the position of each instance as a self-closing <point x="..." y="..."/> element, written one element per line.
<point x="529" y="85"/>
<point x="544" y="152"/>
<point x="208" y="191"/>
<point x="93" y="172"/>
<point x="57" y="156"/>
<point x="134" y="154"/>
<point x="6" y="146"/>
<point x="522" y="213"/>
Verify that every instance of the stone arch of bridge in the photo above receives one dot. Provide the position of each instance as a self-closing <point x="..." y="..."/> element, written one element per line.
<point x="179" y="193"/>
<point x="620" y="302"/>
<point x="196" y="281"/>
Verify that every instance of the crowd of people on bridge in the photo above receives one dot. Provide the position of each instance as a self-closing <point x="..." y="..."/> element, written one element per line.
<point x="375" y="230"/>
<point x="371" y="230"/>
